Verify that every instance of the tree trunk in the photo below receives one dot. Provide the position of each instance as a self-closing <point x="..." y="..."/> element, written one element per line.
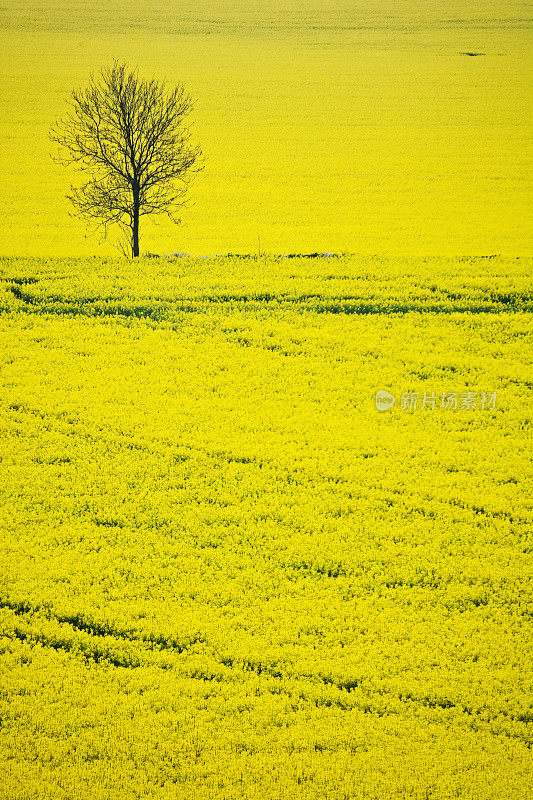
<point x="135" y="232"/>
<point x="135" y="225"/>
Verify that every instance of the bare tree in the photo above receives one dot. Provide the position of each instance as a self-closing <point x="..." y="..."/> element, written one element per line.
<point x="129" y="135"/>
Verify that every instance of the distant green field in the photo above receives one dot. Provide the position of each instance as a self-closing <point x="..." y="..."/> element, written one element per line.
<point x="225" y="573"/>
<point x="370" y="127"/>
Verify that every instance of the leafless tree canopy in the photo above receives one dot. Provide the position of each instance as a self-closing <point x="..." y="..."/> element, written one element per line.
<point x="128" y="136"/>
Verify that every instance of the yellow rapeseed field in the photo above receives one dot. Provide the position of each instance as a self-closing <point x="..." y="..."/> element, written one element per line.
<point x="266" y="519"/>
<point x="331" y="126"/>
<point x="225" y="573"/>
